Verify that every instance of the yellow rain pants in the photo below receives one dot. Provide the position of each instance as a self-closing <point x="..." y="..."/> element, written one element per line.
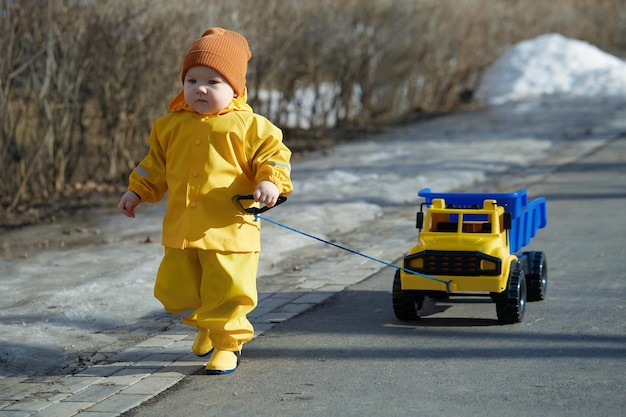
<point x="219" y="288"/>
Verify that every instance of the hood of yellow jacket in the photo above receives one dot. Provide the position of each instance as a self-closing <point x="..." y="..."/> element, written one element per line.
<point x="239" y="103"/>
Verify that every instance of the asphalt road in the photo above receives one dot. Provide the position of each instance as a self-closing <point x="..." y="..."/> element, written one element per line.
<point x="351" y="357"/>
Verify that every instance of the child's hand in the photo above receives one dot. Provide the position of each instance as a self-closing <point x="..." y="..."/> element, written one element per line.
<point x="266" y="193"/>
<point x="127" y="204"/>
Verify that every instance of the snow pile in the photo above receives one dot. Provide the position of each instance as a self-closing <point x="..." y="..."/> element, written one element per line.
<point x="552" y="65"/>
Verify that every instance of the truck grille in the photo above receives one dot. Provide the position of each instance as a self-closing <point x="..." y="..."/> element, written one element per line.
<point x="453" y="263"/>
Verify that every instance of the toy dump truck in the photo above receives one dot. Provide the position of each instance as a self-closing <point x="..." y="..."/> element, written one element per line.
<point x="469" y="245"/>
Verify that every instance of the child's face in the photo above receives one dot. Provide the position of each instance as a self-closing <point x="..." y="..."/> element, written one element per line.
<point x="206" y="91"/>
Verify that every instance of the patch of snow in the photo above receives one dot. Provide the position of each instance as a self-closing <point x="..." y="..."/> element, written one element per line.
<point x="552" y="64"/>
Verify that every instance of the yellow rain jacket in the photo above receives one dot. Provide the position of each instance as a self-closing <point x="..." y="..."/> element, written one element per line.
<point x="202" y="162"/>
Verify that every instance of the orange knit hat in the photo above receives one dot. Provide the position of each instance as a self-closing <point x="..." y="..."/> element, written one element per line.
<point x="225" y="51"/>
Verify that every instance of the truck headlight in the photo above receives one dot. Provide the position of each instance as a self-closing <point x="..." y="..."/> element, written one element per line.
<point x="416" y="263"/>
<point x="486" y="265"/>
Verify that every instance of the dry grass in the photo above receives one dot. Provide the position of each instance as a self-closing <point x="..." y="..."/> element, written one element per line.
<point x="82" y="81"/>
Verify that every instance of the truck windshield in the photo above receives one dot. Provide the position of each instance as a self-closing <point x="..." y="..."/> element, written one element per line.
<point x="447" y="222"/>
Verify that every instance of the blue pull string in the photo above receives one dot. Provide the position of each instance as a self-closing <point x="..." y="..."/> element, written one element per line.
<point x="371" y="258"/>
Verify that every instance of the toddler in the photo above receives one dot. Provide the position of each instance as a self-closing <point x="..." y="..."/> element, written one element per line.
<point x="210" y="147"/>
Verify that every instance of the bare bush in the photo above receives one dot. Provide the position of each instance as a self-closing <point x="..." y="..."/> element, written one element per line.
<point x="82" y="81"/>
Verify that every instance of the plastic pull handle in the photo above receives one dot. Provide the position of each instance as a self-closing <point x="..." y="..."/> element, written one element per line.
<point x="255" y="210"/>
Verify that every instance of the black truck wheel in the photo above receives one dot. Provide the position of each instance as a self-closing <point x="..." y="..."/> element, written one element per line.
<point x="537" y="278"/>
<point x="511" y="303"/>
<point x="406" y="305"/>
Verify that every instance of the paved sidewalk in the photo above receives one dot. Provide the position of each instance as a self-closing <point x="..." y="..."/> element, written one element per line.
<point x="125" y="379"/>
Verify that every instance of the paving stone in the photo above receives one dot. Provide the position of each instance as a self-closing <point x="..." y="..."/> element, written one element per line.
<point x="295" y="308"/>
<point x="159" y="359"/>
<point x="73" y="384"/>
<point x="153" y="384"/>
<point x="132" y="354"/>
<point x="63" y="409"/>
<point x="258" y="312"/>
<point x="138" y="373"/>
<point x="103" y="370"/>
<point x="20" y="391"/>
<point x="10" y="413"/>
<point x="158" y="341"/>
<point x="315" y="297"/>
<point x="11" y="380"/>
<point x="29" y="404"/>
<point x="278" y="317"/>
<point x="126" y="379"/>
<point x="95" y="393"/>
<point x="40" y="379"/>
<point x="5" y="403"/>
<point x="180" y="348"/>
<point x="120" y="403"/>
<point x="263" y="295"/>
<point x="182" y="368"/>
<point x="275" y="302"/>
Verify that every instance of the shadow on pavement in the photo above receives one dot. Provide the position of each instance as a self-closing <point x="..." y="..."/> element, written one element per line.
<point x="361" y="324"/>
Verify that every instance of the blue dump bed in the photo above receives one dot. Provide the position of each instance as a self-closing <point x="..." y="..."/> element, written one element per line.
<point x="526" y="217"/>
